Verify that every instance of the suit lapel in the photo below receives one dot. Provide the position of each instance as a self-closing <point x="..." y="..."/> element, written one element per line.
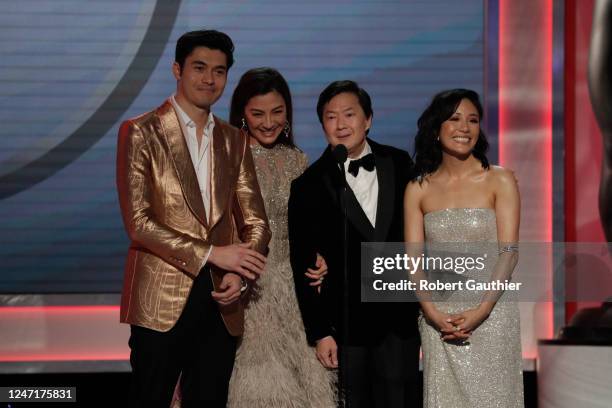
<point x="182" y="160"/>
<point x="386" y="192"/>
<point x="357" y="216"/>
<point x="221" y="174"/>
<point x="332" y="179"/>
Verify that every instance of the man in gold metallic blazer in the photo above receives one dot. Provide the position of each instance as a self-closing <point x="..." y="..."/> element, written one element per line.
<point x="194" y="214"/>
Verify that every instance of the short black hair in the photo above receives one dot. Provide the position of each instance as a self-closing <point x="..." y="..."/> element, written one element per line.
<point x="213" y="39"/>
<point x="428" y="151"/>
<point x="338" y="87"/>
<point x="260" y="81"/>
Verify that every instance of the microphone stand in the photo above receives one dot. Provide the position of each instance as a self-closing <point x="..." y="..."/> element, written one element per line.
<point x="341" y="155"/>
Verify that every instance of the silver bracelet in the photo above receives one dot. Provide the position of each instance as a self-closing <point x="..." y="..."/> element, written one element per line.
<point x="245" y="285"/>
<point x="509" y="248"/>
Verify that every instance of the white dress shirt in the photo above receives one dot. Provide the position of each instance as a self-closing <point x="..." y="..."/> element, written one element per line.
<point x="200" y="155"/>
<point x="364" y="186"/>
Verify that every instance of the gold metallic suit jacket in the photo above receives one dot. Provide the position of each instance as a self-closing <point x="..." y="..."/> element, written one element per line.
<point x="165" y="219"/>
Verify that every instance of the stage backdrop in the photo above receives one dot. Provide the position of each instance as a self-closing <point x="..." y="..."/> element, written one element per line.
<point x="583" y="147"/>
<point x="71" y="71"/>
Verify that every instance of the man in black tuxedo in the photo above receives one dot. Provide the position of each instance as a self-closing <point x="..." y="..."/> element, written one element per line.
<point x="380" y="346"/>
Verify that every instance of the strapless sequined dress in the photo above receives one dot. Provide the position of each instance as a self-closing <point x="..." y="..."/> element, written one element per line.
<point x="485" y="371"/>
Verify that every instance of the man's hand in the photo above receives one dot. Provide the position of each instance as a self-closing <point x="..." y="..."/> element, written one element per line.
<point x="327" y="352"/>
<point x="229" y="289"/>
<point x="238" y="258"/>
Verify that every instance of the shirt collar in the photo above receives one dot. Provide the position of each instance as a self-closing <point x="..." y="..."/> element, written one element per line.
<point x="187" y="121"/>
<point x="366" y="150"/>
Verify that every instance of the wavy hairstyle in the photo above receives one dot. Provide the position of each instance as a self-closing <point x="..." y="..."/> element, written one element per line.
<point x="260" y="81"/>
<point x="427" y="149"/>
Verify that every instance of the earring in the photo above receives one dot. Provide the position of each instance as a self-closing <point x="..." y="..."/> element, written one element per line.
<point x="287" y="129"/>
<point x="244" y="126"/>
<point x="437" y="138"/>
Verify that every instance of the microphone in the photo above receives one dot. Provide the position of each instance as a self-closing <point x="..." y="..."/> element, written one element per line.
<point x="340" y="153"/>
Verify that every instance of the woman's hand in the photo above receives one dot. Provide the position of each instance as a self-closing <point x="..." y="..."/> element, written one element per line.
<point x="444" y="324"/>
<point x="469" y="320"/>
<point x="317" y="274"/>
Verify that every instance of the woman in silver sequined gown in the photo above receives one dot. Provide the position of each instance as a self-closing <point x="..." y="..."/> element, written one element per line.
<point x="471" y="340"/>
<point x="274" y="365"/>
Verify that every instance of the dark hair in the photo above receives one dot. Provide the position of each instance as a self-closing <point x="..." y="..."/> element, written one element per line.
<point x="427" y="149"/>
<point x="260" y="81"/>
<point x="213" y="39"/>
<point x="338" y="87"/>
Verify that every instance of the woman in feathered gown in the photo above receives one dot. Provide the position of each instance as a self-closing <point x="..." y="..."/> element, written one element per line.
<point x="274" y="365"/>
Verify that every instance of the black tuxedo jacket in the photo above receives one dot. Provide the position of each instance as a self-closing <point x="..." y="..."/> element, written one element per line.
<point x="315" y="225"/>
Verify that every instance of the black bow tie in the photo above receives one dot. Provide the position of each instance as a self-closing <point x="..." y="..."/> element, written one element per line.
<point x="367" y="162"/>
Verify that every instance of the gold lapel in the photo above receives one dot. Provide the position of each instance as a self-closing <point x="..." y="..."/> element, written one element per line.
<point x="182" y="160"/>
<point x="221" y="174"/>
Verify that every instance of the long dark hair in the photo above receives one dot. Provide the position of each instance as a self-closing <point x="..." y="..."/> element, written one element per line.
<point x="427" y="149"/>
<point x="260" y="81"/>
